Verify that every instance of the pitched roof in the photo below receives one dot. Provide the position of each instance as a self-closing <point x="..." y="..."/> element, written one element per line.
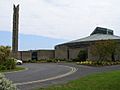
<point x="96" y="37"/>
<point x="98" y="34"/>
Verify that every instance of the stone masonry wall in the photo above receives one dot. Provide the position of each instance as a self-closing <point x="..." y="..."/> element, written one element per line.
<point x="24" y="55"/>
<point x="41" y="54"/>
<point x="61" y="52"/>
<point x="46" y="54"/>
<point x="73" y="52"/>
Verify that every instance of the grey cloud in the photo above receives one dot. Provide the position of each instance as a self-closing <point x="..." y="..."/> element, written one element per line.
<point x="67" y="19"/>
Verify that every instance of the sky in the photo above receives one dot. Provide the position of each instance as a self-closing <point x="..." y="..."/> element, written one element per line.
<point x="29" y="42"/>
<point x="57" y="20"/>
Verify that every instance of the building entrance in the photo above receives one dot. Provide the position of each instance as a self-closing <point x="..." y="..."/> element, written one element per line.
<point x="34" y="56"/>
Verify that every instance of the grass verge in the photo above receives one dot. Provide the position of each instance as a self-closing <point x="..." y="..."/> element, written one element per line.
<point x="101" y="81"/>
<point x="16" y="69"/>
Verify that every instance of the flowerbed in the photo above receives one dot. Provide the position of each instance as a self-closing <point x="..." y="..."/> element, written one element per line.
<point x="98" y="63"/>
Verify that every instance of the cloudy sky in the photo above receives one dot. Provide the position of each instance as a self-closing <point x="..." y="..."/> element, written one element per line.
<point x="62" y="20"/>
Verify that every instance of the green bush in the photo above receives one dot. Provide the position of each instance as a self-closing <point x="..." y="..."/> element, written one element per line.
<point x="6" y="84"/>
<point x="2" y="67"/>
<point x="8" y="64"/>
<point x="59" y="59"/>
<point x="82" y="56"/>
<point x="4" y="53"/>
<point x="50" y="60"/>
<point x="55" y="60"/>
<point x="32" y="61"/>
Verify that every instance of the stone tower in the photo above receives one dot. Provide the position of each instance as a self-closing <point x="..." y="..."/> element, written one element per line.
<point x="15" y="28"/>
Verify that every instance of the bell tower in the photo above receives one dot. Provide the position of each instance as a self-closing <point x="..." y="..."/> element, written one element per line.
<point x="15" y="28"/>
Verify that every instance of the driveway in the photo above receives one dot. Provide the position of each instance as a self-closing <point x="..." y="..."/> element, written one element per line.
<point x="45" y="74"/>
<point x="38" y="73"/>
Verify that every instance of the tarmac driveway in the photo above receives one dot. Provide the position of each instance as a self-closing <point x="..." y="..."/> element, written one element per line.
<point x="42" y="73"/>
<point x="38" y="73"/>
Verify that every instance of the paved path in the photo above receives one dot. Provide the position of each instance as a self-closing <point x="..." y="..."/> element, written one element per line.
<point x="51" y="73"/>
<point x="39" y="73"/>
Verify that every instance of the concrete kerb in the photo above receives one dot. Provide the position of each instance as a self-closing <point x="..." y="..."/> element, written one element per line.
<point x="73" y="70"/>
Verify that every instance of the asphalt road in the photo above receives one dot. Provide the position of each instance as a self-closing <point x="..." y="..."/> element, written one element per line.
<point x="44" y="71"/>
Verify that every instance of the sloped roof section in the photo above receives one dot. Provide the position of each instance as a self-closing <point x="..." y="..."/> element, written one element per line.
<point x="98" y="34"/>
<point x="96" y="37"/>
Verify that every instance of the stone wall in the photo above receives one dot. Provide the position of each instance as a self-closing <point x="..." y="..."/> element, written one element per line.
<point x="94" y="58"/>
<point x="90" y="56"/>
<point x="24" y="55"/>
<point x="61" y="52"/>
<point x="41" y="54"/>
<point x="73" y="52"/>
<point x="46" y="54"/>
<point x="68" y="53"/>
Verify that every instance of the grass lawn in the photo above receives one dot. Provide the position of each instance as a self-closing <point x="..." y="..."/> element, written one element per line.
<point x="100" y="81"/>
<point x="16" y="69"/>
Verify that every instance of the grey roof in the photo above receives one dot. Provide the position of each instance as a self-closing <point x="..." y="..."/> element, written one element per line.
<point x="98" y="34"/>
<point x="96" y="37"/>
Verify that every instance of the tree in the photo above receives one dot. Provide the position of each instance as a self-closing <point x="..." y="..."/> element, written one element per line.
<point x="82" y="56"/>
<point x="111" y="47"/>
<point x="104" y="50"/>
<point x="4" y="53"/>
<point x="6" y="62"/>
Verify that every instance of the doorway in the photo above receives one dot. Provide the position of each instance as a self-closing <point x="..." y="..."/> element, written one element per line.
<point x="34" y="56"/>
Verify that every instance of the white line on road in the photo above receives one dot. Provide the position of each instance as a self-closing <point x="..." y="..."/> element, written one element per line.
<point x="73" y="70"/>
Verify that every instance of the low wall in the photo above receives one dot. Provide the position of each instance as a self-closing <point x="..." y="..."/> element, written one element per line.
<point x="27" y="55"/>
<point x="61" y="52"/>
<point x="46" y="54"/>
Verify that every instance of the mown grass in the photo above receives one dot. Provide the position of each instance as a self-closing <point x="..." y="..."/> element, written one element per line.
<point x="16" y="69"/>
<point x="100" y="81"/>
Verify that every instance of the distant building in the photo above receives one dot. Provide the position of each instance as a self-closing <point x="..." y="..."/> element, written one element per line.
<point x="71" y="49"/>
<point x="66" y="51"/>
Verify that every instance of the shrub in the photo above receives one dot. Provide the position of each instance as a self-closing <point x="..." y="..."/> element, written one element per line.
<point x="32" y="61"/>
<point x="55" y="60"/>
<point x="2" y="67"/>
<point x="8" y="64"/>
<point x="60" y="59"/>
<point x="4" y="53"/>
<point x="6" y="84"/>
<point x="50" y="60"/>
<point x="82" y="56"/>
<point x="105" y="50"/>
